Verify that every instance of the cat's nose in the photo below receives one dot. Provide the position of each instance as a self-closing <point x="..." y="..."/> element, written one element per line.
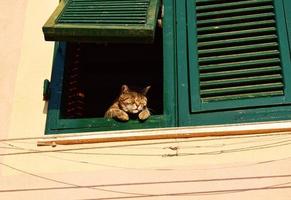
<point x="134" y="106"/>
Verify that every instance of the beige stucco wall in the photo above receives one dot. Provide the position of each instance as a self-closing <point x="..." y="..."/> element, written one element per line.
<point x="11" y="21"/>
<point x="239" y="167"/>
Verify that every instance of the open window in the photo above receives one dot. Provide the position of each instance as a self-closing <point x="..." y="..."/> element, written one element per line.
<point x="87" y="76"/>
<point x="213" y="62"/>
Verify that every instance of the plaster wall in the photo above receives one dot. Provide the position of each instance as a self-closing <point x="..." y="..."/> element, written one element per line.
<point x="11" y="34"/>
<point x="239" y="167"/>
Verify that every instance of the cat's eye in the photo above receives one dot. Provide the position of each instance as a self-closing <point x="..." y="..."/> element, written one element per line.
<point x="128" y="101"/>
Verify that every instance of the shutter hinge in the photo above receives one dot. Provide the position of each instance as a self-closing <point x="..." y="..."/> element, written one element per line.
<point x="46" y="90"/>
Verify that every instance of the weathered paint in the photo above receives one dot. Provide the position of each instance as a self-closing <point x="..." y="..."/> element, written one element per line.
<point x="196" y="108"/>
<point x="61" y="28"/>
<point x="57" y="124"/>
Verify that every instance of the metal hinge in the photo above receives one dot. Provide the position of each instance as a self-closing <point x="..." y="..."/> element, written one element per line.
<point x="46" y="90"/>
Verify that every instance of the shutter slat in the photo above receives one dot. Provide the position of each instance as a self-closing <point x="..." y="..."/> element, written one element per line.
<point x="241" y="49"/>
<point x="244" y="96"/>
<point x="236" y="19"/>
<point x="110" y="3"/>
<point x="230" y="5"/>
<point x="240" y="65"/>
<point x="110" y="9"/>
<point x="103" y="21"/>
<point x="237" y="57"/>
<point x="241" y="72"/>
<point x="231" y="27"/>
<point x="234" y="12"/>
<point x="93" y="21"/>
<point x="237" y="41"/>
<point x="238" y="50"/>
<point x="240" y="81"/>
<point x="236" y="34"/>
<point x="242" y="89"/>
<point x="107" y="14"/>
<point x="107" y="8"/>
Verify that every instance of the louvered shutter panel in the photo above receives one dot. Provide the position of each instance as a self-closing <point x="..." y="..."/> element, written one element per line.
<point x="238" y="54"/>
<point x="103" y="21"/>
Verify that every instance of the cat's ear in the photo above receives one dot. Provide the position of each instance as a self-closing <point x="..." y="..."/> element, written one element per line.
<point x="145" y="90"/>
<point x="124" y="89"/>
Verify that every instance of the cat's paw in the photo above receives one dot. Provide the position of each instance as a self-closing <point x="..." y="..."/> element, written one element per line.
<point x="143" y="115"/>
<point x="121" y="115"/>
<point x="117" y="114"/>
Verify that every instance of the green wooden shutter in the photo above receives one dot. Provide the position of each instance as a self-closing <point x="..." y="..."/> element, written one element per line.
<point x="103" y="20"/>
<point x="238" y="54"/>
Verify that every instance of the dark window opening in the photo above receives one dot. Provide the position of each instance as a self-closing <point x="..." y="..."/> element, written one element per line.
<point x="94" y="73"/>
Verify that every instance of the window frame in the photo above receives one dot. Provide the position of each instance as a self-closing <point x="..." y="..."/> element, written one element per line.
<point x="287" y="9"/>
<point x="177" y="100"/>
<point x="57" y="125"/>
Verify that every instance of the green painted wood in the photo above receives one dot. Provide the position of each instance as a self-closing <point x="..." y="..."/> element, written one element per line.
<point x="241" y="89"/>
<point x="235" y="19"/>
<point x="103" y="21"/>
<point x="233" y="11"/>
<point x="221" y="111"/>
<point x="238" y="57"/>
<point x="179" y="81"/>
<point x="241" y="64"/>
<point x="56" y="123"/>
<point x="234" y="61"/>
<point x="237" y="41"/>
<point x="184" y="117"/>
<point x="238" y="81"/>
<point x="233" y="34"/>
<point x="237" y="49"/>
<point x="230" y="27"/>
<point x="223" y="74"/>
<point x="170" y="72"/>
<point x="287" y="13"/>
<point x="54" y="114"/>
<point x="231" y="5"/>
<point x="284" y="43"/>
<point x="249" y="94"/>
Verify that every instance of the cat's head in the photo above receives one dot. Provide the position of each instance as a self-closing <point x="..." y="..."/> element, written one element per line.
<point x="132" y="101"/>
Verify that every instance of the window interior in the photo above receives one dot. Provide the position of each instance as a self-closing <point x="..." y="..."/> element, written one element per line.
<point x="95" y="72"/>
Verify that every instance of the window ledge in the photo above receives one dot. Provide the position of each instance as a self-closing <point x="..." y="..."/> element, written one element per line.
<point x="166" y="133"/>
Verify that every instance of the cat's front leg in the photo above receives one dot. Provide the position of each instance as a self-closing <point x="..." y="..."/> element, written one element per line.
<point x="143" y="115"/>
<point x="118" y="114"/>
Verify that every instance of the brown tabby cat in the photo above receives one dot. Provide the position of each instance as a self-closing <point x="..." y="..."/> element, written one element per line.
<point x="129" y="102"/>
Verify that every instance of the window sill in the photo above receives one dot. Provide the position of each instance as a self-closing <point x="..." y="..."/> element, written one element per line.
<point x="167" y="133"/>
